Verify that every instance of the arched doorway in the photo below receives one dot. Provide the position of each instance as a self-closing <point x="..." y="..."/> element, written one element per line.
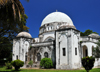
<point x="38" y="57"/>
<point x="85" y="51"/>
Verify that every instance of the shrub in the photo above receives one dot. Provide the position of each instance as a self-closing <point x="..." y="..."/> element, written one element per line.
<point x="88" y="63"/>
<point x="46" y="63"/>
<point x="17" y="64"/>
<point x="30" y="63"/>
<point x="8" y="65"/>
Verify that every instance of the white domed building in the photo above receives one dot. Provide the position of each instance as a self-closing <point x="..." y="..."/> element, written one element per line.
<point x="59" y="40"/>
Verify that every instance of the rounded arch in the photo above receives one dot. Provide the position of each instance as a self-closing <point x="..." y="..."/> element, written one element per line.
<point x="85" y="51"/>
<point x="62" y="36"/>
<point x="49" y="38"/>
<point x="38" y="57"/>
<point x="26" y="46"/>
<point x="46" y="54"/>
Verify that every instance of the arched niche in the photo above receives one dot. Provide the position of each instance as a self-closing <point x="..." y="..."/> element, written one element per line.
<point x="26" y="46"/>
<point x="17" y="48"/>
<point x="46" y="54"/>
<point x="85" y="51"/>
<point x="26" y="56"/>
<point x="63" y="54"/>
<point x="49" y="38"/>
<point x="38" y="57"/>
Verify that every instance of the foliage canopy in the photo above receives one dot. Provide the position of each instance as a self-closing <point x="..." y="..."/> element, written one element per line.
<point x="87" y="32"/>
<point x="12" y="21"/>
<point x="46" y="63"/>
<point x="96" y="50"/>
<point x="30" y="63"/>
<point x="88" y="63"/>
<point x="17" y="64"/>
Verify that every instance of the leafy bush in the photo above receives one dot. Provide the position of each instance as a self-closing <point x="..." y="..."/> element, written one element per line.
<point x="88" y="63"/>
<point x="46" y="63"/>
<point x="8" y="65"/>
<point x="30" y="63"/>
<point x="17" y="64"/>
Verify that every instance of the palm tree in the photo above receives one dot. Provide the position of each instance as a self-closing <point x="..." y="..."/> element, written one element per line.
<point x="15" y="6"/>
<point x="12" y="21"/>
<point x="11" y="16"/>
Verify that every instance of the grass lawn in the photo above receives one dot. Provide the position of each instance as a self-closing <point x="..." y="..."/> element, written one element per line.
<point x="3" y="69"/>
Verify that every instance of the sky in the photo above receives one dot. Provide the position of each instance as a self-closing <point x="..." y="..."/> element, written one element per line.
<point x="85" y="14"/>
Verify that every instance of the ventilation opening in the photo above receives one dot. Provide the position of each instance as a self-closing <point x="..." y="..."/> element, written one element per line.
<point x="64" y="52"/>
<point x="75" y="51"/>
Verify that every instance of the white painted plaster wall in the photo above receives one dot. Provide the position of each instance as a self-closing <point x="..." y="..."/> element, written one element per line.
<point x="63" y="44"/>
<point x="36" y="39"/>
<point x="75" y="58"/>
<point x="89" y="46"/>
<point x="49" y="34"/>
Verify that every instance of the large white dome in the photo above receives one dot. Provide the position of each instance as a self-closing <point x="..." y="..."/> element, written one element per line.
<point x="57" y="17"/>
<point x="24" y="34"/>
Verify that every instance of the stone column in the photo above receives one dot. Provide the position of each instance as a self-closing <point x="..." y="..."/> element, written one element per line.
<point x="89" y="50"/>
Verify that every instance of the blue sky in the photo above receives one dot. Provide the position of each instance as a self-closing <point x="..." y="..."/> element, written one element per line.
<point x="85" y="14"/>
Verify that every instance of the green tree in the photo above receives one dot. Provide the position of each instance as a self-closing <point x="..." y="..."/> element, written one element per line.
<point x="96" y="50"/>
<point x="17" y="64"/>
<point x="46" y="63"/>
<point x="12" y="21"/>
<point x="5" y="50"/>
<point x="30" y="63"/>
<point x="8" y="65"/>
<point x="88" y="63"/>
<point x="87" y="32"/>
<point x="12" y="18"/>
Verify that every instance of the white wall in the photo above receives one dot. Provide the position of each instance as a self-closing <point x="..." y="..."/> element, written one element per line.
<point x="17" y="48"/>
<point x="75" y="58"/>
<point x="36" y="39"/>
<point x="20" y="48"/>
<point x="63" y="44"/>
<point x="48" y="34"/>
<point x="89" y="47"/>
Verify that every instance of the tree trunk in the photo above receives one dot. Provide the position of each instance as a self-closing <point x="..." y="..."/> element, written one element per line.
<point x="17" y="68"/>
<point x="87" y="70"/>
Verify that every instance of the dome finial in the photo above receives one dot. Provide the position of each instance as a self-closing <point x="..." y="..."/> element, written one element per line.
<point x="56" y="10"/>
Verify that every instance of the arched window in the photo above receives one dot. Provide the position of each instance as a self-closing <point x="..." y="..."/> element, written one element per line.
<point x="16" y="56"/>
<point x="38" y="57"/>
<point x="22" y="50"/>
<point x="49" y="39"/>
<point x="51" y="27"/>
<point x="75" y="51"/>
<point x="48" y="28"/>
<point x="25" y="57"/>
<point x="46" y="54"/>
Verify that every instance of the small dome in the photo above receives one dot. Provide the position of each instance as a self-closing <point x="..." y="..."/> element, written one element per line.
<point x="93" y="35"/>
<point x="57" y="17"/>
<point x="24" y="34"/>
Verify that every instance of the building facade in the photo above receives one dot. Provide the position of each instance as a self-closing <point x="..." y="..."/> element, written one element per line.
<point x="59" y="40"/>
